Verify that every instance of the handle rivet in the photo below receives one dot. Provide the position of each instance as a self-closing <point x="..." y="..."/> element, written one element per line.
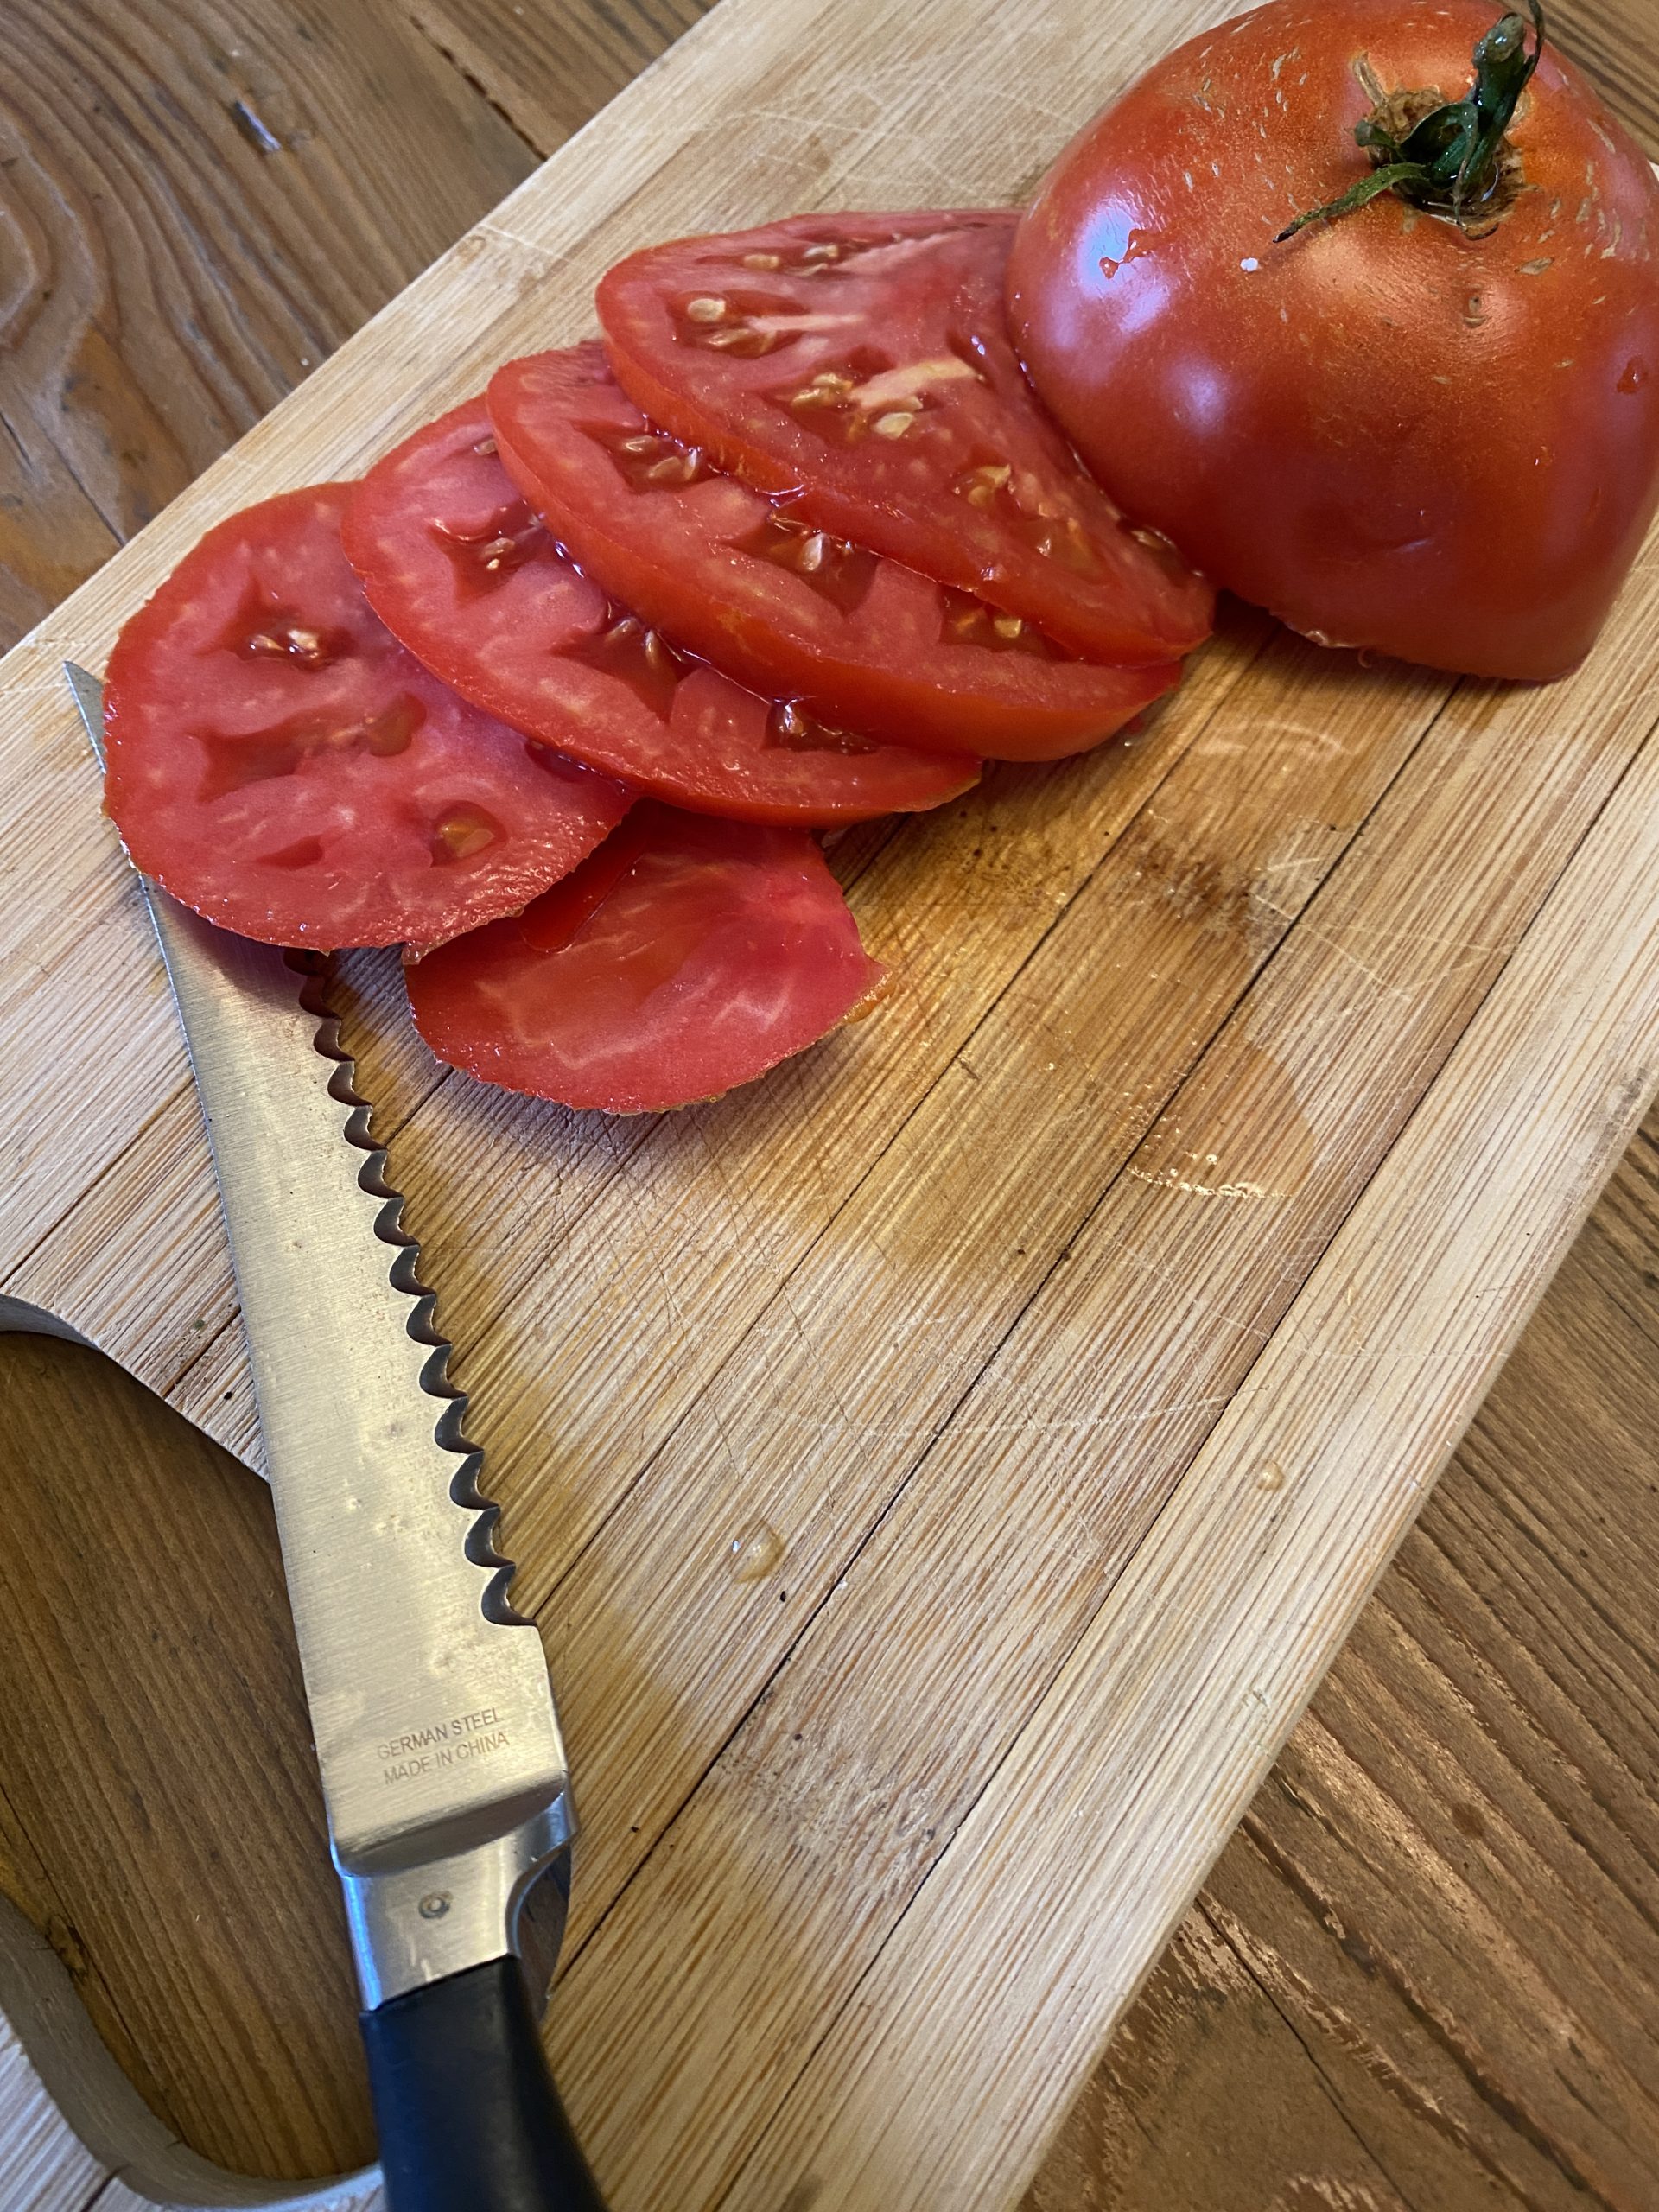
<point x="435" y="1904"/>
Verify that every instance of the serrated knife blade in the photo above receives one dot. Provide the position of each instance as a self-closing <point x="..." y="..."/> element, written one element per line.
<point x="442" y="1767"/>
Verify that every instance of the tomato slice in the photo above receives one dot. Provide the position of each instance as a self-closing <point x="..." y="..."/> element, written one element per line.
<point x="854" y="638"/>
<point x="685" y="956"/>
<point x="457" y="564"/>
<point x="279" y="762"/>
<point x="861" y="364"/>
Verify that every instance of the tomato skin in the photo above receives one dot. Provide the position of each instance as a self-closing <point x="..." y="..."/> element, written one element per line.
<point x="684" y="555"/>
<point x="985" y="495"/>
<point x="1391" y="433"/>
<point x="517" y="638"/>
<point x="277" y="761"/>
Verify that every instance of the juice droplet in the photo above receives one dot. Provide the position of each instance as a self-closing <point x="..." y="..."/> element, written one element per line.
<point x="1634" y="376"/>
<point x="756" y="1554"/>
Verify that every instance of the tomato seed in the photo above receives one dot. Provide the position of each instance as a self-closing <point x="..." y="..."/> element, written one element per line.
<point x="462" y="832"/>
<point x="743" y="339"/>
<point x="707" y="309"/>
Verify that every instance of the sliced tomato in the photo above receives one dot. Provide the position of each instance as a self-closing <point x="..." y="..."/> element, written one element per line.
<point x="279" y="762"/>
<point x="458" y="566"/>
<point x="854" y="638"/>
<point x="861" y="364"/>
<point x="687" y="956"/>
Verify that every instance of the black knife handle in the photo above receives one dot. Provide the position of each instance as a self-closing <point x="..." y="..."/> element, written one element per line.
<point x="466" y="2109"/>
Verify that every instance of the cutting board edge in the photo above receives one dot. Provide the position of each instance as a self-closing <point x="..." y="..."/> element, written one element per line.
<point x="63" y="2093"/>
<point x="1604" y="1101"/>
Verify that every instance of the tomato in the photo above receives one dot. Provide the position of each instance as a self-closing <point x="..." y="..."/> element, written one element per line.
<point x="455" y="563"/>
<point x="687" y="956"/>
<point x="279" y="762"/>
<point x="853" y="638"/>
<point x="1436" y="438"/>
<point x="862" y="365"/>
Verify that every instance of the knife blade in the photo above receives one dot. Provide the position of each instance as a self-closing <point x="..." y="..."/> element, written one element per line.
<point x="442" y="1767"/>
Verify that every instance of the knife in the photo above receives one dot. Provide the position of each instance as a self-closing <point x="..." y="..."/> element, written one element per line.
<point x="443" y="1773"/>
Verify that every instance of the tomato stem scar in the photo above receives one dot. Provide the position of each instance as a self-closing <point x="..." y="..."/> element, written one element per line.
<point x="1451" y="159"/>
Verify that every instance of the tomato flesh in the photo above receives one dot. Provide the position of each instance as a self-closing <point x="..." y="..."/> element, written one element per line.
<point x="278" y="761"/>
<point x="460" y="568"/>
<point x="862" y="366"/>
<point x="854" y="638"/>
<point x="687" y="956"/>
<point x="1391" y="433"/>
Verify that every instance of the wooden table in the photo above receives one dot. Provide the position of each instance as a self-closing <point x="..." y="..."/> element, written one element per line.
<point x="1425" y="1973"/>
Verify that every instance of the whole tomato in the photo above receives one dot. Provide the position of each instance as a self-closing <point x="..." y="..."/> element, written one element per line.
<point x="1427" y="423"/>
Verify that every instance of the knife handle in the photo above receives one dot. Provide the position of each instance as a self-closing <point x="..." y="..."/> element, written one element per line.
<point x="467" y="2115"/>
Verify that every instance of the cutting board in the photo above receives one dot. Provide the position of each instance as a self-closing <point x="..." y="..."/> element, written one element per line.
<point x="942" y="1470"/>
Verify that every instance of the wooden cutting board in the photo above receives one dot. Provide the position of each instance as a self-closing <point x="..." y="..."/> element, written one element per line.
<point x="941" y="1471"/>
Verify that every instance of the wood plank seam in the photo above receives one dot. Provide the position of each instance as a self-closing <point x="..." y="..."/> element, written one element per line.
<point x="737" y="1190"/>
<point x="111" y="1166"/>
<point x="1223" y="1934"/>
<point x="1252" y="983"/>
<point x="917" y="1107"/>
<point x="1466" y="2060"/>
<point x="450" y="53"/>
<point x="1544" y="941"/>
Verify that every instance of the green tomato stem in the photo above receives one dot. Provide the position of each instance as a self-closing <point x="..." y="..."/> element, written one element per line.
<point x="1449" y="163"/>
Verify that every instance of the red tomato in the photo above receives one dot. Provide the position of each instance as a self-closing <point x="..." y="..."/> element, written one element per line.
<point x="280" y="762"/>
<point x="686" y="956"/>
<point x="1392" y="430"/>
<point x="453" y="561"/>
<point x="855" y="639"/>
<point x="862" y="365"/>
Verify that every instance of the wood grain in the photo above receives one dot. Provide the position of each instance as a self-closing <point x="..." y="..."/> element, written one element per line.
<point x="172" y="1729"/>
<point x="206" y="200"/>
<point x="695" y="1295"/>
<point x="1440" y="1915"/>
<point x="548" y="67"/>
